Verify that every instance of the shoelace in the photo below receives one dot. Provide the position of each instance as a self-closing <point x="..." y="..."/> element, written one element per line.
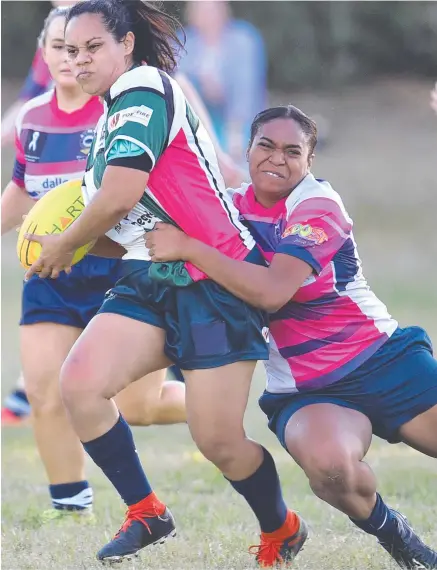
<point x="136" y="513"/>
<point x="268" y="552"/>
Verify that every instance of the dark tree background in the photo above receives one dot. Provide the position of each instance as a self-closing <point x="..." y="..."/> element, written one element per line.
<point x="308" y="43"/>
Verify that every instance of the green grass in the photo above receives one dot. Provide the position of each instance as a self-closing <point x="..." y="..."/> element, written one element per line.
<point x="394" y="209"/>
<point x="214" y="524"/>
<point x="215" y="527"/>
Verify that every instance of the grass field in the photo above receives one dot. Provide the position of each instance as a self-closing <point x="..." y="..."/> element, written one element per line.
<point x="382" y="159"/>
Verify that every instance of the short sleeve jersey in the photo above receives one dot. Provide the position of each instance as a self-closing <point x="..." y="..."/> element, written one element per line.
<point x="148" y="125"/>
<point x="51" y="146"/>
<point x="334" y="322"/>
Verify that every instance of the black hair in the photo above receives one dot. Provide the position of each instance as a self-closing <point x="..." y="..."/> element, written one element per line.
<point x="307" y="124"/>
<point x="59" y="11"/>
<point x="156" y="33"/>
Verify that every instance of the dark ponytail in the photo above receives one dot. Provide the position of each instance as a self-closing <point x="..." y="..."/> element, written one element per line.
<point x="156" y="33"/>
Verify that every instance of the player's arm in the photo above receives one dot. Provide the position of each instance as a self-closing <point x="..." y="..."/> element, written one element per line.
<point x="121" y="189"/>
<point x="15" y="203"/>
<point x="308" y="244"/>
<point x="266" y="287"/>
<point x="135" y="141"/>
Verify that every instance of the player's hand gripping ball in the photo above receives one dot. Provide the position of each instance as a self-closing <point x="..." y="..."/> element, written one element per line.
<point x="52" y="214"/>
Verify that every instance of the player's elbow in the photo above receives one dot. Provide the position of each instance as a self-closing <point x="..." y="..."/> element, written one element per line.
<point x="267" y="303"/>
<point x="273" y="299"/>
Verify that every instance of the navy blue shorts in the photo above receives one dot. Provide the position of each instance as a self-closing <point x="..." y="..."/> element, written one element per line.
<point x="206" y="327"/>
<point x="70" y="299"/>
<point x="392" y="387"/>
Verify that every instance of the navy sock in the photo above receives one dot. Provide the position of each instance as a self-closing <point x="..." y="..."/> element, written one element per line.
<point x="262" y="491"/>
<point x="72" y="496"/>
<point x="381" y="523"/>
<point x="116" y="455"/>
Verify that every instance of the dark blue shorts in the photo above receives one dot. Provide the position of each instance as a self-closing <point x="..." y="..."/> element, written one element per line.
<point x="206" y="327"/>
<point x="70" y="299"/>
<point x="392" y="387"/>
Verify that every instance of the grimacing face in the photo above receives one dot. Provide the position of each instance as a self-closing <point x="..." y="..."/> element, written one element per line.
<point x="279" y="158"/>
<point x="95" y="57"/>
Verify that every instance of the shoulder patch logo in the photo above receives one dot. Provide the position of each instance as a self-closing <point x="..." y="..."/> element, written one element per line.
<point x="307" y="233"/>
<point x="139" y="114"/>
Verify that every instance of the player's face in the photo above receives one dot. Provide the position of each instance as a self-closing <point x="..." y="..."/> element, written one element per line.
<point x="96" y="58"/>
<point x="278" y="158"/>
<point x="55" y="55"/>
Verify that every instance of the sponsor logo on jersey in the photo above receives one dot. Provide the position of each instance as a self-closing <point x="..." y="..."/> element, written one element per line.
<point x="33" y="142"/>
<point x="34" y="145"/>
<point x="50" y="183"/>
<point x="139" y="114"/>
<point x="86" y="140"/>
<point x="307" y="233"/>
<point x="266" y="334"/>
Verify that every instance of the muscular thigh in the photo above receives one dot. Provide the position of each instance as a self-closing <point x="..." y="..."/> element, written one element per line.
<point x="326" y="428"/>
<point x="114" y="351"/>
<point x="216" y="399"/>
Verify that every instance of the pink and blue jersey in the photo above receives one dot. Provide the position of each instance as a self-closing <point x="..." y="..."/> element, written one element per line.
<point x="52" y="146"/>
<point x="334" y="322"/>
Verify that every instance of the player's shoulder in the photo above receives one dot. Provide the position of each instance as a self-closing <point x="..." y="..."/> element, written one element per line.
<point x="141" y="78"/>
<point x="236" y="194"/>
<point x="318" y="196"/>
<point x="33" y="104"/>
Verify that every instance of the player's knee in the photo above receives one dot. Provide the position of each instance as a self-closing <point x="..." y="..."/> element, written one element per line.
<point x="44" y="396"/>
<point x="77" y="384"/>
<point x="220" y="449"/>
<point x="331" y="472"/>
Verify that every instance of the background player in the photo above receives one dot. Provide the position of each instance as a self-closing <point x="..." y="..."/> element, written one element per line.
<point x="16" y="408"/>
<point x="54" y="134"/>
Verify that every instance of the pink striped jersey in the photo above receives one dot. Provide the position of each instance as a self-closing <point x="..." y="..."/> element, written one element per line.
<point x="52" y="146"/>
<point x="334" y="322"/>
<point x="148" y="125"/>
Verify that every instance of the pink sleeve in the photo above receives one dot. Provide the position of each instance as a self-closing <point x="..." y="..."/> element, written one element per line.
<point x="315" y="232"/>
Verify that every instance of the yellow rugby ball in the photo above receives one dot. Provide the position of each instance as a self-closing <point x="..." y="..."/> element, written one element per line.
<point x="52" y="214"/>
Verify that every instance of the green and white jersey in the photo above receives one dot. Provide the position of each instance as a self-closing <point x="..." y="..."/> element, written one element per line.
<point x="148" y="125"/>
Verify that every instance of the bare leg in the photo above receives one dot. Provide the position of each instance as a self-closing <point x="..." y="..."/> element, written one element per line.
<point x="329" y="442"/>
<point x="153" y="401"/>
<point x="44" y="347"/>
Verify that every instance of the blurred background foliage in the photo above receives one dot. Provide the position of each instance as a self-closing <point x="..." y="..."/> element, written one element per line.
<point x="309" y="44"/>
